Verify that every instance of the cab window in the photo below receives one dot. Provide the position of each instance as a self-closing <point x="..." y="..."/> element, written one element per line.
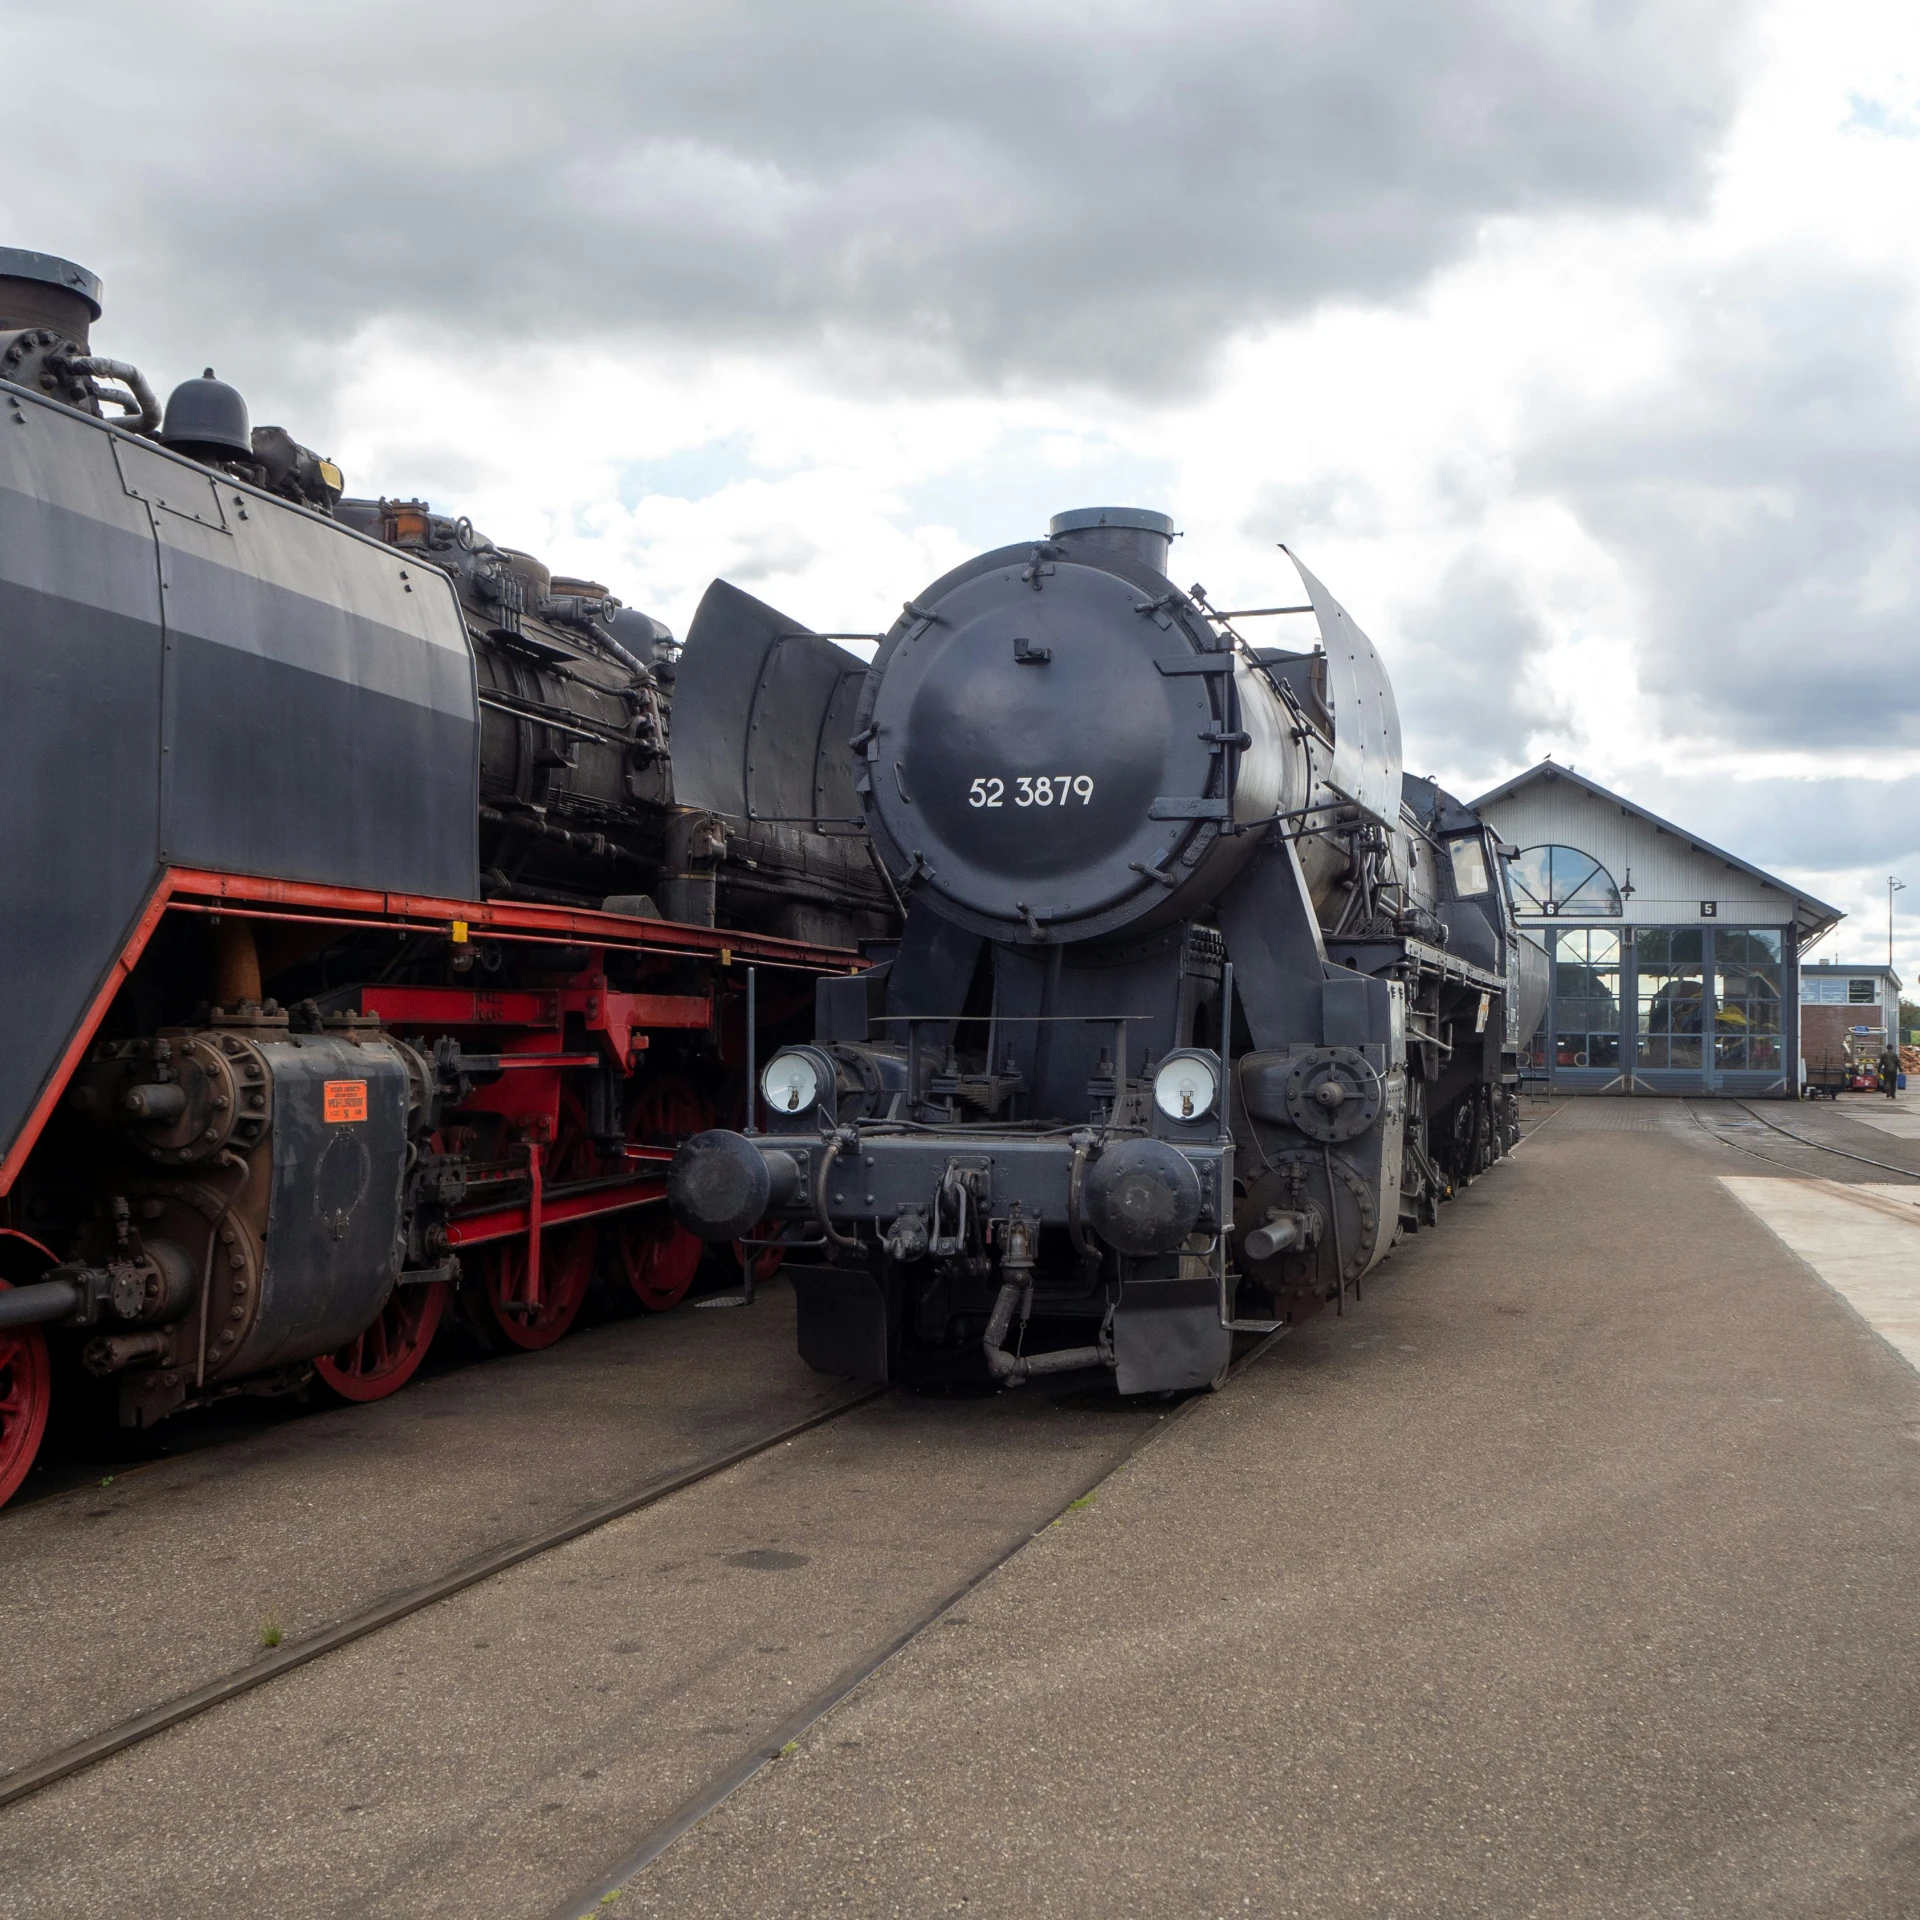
<point x="1469" y="866"/>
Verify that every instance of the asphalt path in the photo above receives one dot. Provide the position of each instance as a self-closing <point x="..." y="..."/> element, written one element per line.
<point x="175" y="1574"/>
<point x="1574" y="1574"/>
<point x="1571" y="1572"/>
<point x="495" y="1752"/>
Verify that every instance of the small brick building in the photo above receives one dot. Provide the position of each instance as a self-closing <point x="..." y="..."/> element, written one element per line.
<point x="1836" y="999"/>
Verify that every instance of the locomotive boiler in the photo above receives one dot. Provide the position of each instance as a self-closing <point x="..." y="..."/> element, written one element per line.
<point x="1199" y="1003"/>
<point x="358" y="947"/>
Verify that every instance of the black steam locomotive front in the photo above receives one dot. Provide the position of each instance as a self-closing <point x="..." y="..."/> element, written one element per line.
<point x="1136" y="1077"/>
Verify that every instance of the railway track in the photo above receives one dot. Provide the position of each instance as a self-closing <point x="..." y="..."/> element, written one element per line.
<point x="658" y="1823"/>
<point x="37" y="1775"/>
<point x="773" y="1734"/>
<point x="723" y="1785"/>
<point x="62" y="1763"/>
<point x="776" y="1735"/>
<point x="1798" y="1139"/>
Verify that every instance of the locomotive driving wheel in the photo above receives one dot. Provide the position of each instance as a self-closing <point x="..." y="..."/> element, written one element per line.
<point x="383" y="1357"/>
<point x="535" y="1313"/>
<point x="26" y="1379"/>
<point x="665" y="1112"/>
<point x="1467" y="1148"/>
<point x="658" y="1255"/>
<point x="26" y="1389"/>
<point x="536" y="1316"/>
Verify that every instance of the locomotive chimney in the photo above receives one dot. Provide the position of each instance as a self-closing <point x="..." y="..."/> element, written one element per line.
<point x="40" y="290"/>
<point x="1133" y="532"/>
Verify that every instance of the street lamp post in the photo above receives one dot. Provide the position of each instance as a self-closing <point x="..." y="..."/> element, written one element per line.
<point x="1893" y="886"/>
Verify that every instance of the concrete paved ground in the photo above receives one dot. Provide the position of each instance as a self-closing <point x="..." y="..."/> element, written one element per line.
<point x="1575" y="1574"/>
<point x="1899" y="1116"/>
<point x="1861" y="1238"/>
<point x="1864" y="1123"/>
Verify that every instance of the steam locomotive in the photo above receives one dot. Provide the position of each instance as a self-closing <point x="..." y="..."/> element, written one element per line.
<point x="1199" y="1003"/>
<point x="359" y="945"/>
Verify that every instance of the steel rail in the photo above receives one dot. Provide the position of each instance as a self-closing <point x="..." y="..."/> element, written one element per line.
<point x="40" y="1774"/>
<point x="723" y="1786"/>
<point x="1800" y="1140"/>
<point x="1885" y="1166"/>
<point x="1740" y="1146"/>
<point x="1853" y="1193"/>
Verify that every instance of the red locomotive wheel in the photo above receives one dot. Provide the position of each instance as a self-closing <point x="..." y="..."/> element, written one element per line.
<point x="566" y="1265"/>
<point x="659" y="1255"/>
<point x="26" y="1392"/>
<point x="571" y="1156"/>
<point x="665" y="1112"/>
<point x="566" y="1253"/>
<point x="385" y="1356"/>
<point x="766" y="1260"/>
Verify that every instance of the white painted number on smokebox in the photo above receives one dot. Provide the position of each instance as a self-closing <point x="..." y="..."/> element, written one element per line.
<point x="1033" y="790"/>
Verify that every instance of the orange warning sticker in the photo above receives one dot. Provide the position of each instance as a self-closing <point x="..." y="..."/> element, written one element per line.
<point x="345" y="1100"/>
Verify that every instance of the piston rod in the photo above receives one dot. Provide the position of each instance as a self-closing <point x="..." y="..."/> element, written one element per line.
<point x="35" y="1305"/>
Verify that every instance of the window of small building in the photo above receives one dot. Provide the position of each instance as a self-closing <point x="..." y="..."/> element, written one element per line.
<point x="1556" y="879"/>
<point x="1746" y="992"/>
<point x="1670" y="964"/>
<point x="1586" y="997"/>
<point x="1862" y="993"/>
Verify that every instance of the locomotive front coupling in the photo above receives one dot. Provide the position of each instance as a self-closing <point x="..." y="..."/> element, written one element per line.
<point x="933" y="1194"/>
<point x="970" y="1232"/>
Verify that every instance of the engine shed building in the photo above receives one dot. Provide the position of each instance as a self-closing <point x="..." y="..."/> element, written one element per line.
<point x="1675" y="965"/>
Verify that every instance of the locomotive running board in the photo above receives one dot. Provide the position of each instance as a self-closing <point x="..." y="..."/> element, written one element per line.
<point x="191" y="890"/>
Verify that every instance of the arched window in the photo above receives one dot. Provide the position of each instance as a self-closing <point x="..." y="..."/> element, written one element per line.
<point x="1558" y="880"/>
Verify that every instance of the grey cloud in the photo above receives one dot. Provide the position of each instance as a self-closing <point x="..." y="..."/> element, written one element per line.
<point x="1459" y="665"/>
<point x="773" y="553"/>
<point x="971" y="190"/>
<point x="1334" y="500"/>
<point x="1805" y="825"/>
<point x="1762" y="501"/>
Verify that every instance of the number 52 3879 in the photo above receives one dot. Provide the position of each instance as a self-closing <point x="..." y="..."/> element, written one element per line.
<point x="1032" y="790"/>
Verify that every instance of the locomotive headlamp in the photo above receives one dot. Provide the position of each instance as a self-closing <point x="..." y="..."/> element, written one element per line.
<point x="1186" y="1086"/>
<point x="791" y="1083"/>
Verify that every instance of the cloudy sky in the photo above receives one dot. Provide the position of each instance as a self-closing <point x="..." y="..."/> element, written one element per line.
<point x="1577" y="347"/>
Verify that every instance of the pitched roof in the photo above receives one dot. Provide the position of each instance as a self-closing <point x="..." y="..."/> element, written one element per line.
<point x="1811" y="918"/>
